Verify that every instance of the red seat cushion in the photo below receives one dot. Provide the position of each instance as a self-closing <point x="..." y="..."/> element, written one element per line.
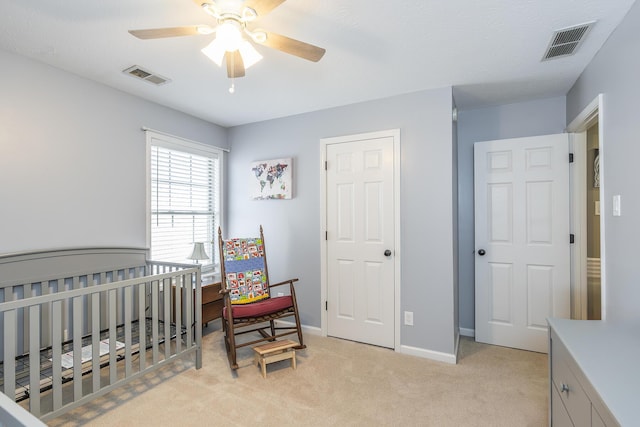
<point x="262" y="308"/>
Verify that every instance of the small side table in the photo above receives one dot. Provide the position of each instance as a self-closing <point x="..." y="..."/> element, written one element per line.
<point x="212" y="302"/>
<point x="274" y="352"/>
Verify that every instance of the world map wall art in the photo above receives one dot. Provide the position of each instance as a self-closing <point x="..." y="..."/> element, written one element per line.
<point x="271" y="179"/>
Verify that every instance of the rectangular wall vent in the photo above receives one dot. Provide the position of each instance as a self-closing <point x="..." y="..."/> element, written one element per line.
<point x="566" y="41"/>
<point x="146" y="75"/>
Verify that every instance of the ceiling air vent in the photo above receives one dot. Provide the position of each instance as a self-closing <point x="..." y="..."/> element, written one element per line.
<point x="148" y="76"/>
<point x="566" y="41"/>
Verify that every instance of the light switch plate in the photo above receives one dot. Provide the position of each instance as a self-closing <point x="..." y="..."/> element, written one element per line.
<point x="616" y="205"/>
<point x="408" y="318"/>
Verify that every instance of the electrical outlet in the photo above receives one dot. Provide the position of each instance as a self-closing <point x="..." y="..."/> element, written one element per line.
<point x="280" y="294"/>
<point x="408" y="318"/>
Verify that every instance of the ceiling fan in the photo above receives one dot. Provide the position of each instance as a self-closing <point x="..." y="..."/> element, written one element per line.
<point x="229" y="44"/>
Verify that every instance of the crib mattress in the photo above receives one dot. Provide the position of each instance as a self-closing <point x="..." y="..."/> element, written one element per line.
<point x="46" y="355"/>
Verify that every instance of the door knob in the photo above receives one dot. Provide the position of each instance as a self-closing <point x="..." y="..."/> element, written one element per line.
<point x="387" y="252"/>
<point x="481" y="252"/>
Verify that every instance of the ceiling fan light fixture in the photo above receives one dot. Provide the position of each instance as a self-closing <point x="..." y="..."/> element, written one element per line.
<point x="249" y="54"/>
<point x="215" y="51"/>
<point x="249" y="14"/>
<point x="229" y="35"/>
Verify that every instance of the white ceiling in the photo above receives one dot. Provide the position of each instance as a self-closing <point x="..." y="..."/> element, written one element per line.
<point x="488" y="50"/>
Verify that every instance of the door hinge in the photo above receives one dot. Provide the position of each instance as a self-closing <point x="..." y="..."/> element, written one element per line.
<point x="326" y="235"/>
<point x="570" y="157"/>
<point x="572" y="238"/>
<point x="326" y="167"/>
<point x="326" y="306"/>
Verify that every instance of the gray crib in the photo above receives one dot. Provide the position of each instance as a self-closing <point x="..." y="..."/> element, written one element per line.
<point x="98" y="316"/>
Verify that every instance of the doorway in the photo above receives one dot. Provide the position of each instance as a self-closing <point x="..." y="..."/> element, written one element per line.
<point x="360" y="242"/>
<point x="588" y="273"/>
<point x="593" y="223"/>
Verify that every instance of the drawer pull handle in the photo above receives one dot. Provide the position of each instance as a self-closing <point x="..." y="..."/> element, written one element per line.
<point x="565" y="388"/>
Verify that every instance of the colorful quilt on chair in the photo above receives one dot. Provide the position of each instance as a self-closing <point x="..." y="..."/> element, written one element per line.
<point x="244" y="268"/>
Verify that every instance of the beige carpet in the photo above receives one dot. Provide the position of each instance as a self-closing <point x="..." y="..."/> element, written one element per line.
<point x="337" y="383"/>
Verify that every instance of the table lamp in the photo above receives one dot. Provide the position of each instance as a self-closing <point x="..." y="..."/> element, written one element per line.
<point x="198" y="252"/>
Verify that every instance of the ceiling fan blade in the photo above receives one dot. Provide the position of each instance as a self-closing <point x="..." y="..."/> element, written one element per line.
<point x="159" y="33"/>
<point x="235" y="64"/>
<point x="294" y="47"/>
<point x="262" y="7"/>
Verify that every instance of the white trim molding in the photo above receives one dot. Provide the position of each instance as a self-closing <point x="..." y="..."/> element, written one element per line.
<point x="429" y="354"/>
<point x="591" y="114"/>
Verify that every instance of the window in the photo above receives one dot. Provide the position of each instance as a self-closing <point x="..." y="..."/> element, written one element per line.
<point x="184" y="198"/>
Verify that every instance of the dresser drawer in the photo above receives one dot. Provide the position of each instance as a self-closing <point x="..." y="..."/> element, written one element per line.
<point x="596" y="421"/>
<point x="565" y="383"/>
<point x="559" y="415"/>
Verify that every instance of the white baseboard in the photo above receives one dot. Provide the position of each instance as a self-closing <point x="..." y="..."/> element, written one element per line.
<point x="468" y="332"/>
<point x="311" y="330"/>
<point x="404" y="349"/>
<point x="428" y="354"/>
<point x="455" y="350"/>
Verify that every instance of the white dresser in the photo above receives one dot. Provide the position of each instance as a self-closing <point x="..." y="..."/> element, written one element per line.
<point x="594" y="369"/>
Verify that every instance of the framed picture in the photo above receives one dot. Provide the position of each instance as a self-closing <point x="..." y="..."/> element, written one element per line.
<point x="271" y="179"/>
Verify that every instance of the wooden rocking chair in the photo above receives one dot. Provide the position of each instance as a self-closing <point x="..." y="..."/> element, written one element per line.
<point x="248" y="304"/>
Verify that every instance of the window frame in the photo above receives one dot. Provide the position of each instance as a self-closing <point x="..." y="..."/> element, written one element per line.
<point x="155" y="138"/>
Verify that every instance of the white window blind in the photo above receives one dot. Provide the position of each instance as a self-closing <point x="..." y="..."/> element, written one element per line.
<point x="185" y="199"/>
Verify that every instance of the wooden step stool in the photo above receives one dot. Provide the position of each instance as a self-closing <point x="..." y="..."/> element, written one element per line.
<point x="274" y="352"/>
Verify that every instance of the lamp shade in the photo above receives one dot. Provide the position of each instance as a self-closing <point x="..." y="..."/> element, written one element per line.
<point x="198" y="252"/>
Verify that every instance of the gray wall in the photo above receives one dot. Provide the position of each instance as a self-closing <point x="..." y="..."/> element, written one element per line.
<point x="293" y="226"/>
<point x="614" y="73"/>
<point x="72" y="158"/>
<point x="540" y="117"/>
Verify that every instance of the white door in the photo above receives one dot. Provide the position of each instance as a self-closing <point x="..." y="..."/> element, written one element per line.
<point x="522" y="244"/>
<point x="360" y="240"/>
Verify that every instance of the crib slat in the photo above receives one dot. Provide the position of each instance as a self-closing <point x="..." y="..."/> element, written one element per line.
<point x="191" y="318"/>
<point x="113" y="369"/>
<point x="62" y="286"/>
<point x="10" y="354"/>
<point x="189" y="309"/>
<point x="34" y="360"/>
<point x="56" y="363"/>
<point x="128" y="306"/>
<point x="177" y="303"/>
<point x="89" y="311"/>
<point x="142" y="326"/>
<point x="45" y="317"/>
<point x="117" y="278"/>
<point x="167" y="318"/>
<point x="154" y="319"/>
<point x="137" y="313"/>
<point x="77" y="284"/>
<point x="26" y="293"/>
<point x="198" y="321"/>
<point x="77" y="347"/>
<point x="103" y="311"/>
<point x="95" y="341"/>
